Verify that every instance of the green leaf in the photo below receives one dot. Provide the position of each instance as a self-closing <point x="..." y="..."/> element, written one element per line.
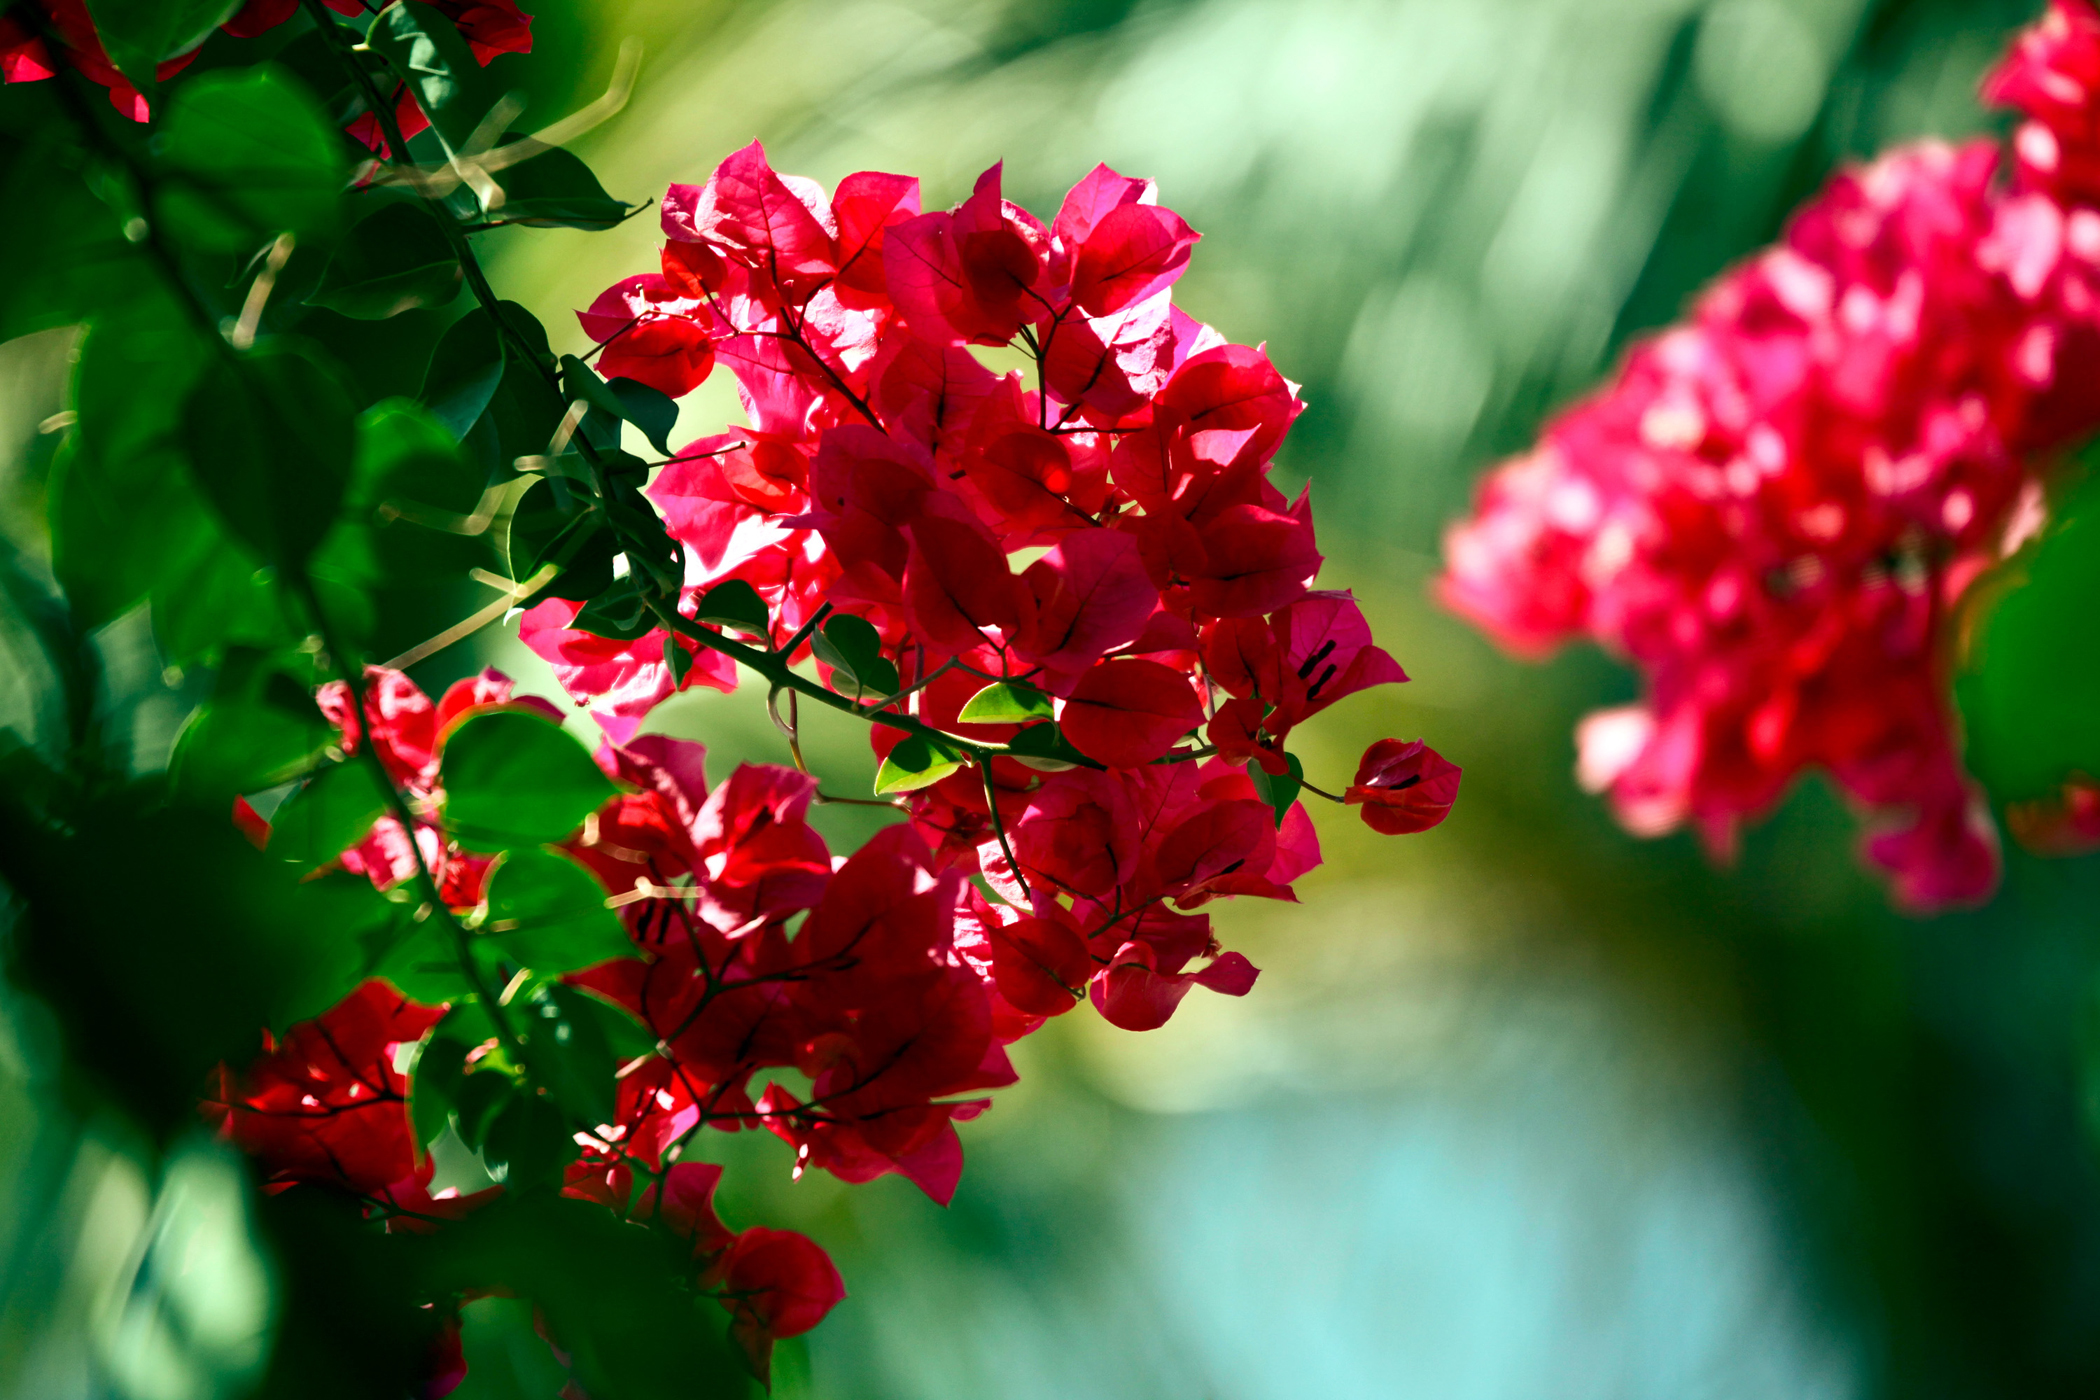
<point x="548" y="913"/>
<point x="332" y="812"/>
<point x="271" y="440"/>
<point x="569" y="1050"/>
<point x="677" y="660"/>
<point x="448" y="81"/>
<point x="464" y="371"/>
<point x="125" y="512"/>
<point x="735" y="604"/>
<point x="516" y="780"/>
<point x="423" y="962"/>
<point x="259" y="728"/>
<point x="916" y="763"/>
<point x="2031" y="698"/>
<point x="852" y="648"/>
<point x="615" y="1293"/>
<point x="528" y="1143"/>
<point x="1044" y="748"/>
<point x="555" y="524"/>
<point x="1006" y="702"/>
<point x="392" y="261"/>
<point x="314" y="61"/>
<point x="479" y="1100"/>
<point x="433" y="1084"/>
<point x="221" y="597"/>
<point x="56" y="225"/>
<point x="247" y="155"/>
<point x="1281" y="790"/>
<point x="649" y="409"/>
<point x="138" y="34"/>
<point x="408" y="463"/>
<point x="556" y="190"/>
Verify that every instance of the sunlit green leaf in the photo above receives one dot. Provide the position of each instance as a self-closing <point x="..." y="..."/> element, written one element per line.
<point x="514" y="780"/>
<point x="916" y="763"/>
<point x="548" y="913"/>
<point x="1006" y="702"/>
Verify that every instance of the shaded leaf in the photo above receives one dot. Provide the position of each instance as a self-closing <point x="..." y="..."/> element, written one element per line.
<point x="248" y="155"/>
<point x="392" y="261"/>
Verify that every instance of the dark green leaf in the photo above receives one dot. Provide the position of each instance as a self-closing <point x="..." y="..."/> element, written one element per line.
<point x="157" y="991"/>
<point x="259" y="728"/>
<point x="220" y="597"/>
<point x="423" y="962"/>
<point x="314" y="61"/>
<point x="528" y="1143"/>
<point x="271" y="439"/>
<point x="852" y="648"/>
<point x="735" y="604"/>
<point x="651" y="410"/>
<point x="553" y="524"/>
<point x="448" y="81"/>
<point x="2031" y="699"/>
<point x="125" y="512"/>
<point x="332" y="812"/>
<point x="916" y="763"/>
<point x="479" y="1100"/>
<point x="609" y="1292"/>
<point x="464" y="371"/>
<point x="623" y="399"/>
<point x="548" y="913"/>
<point x="247" y="155"/>
<point x="392" y="261"/>
<point x="569" y="1050"/>
<point x="409" y="465"/>
<point x="434" y="1082"/>
<point x="556" y="190"/>
<point x="515" y="780"/>
<point x="618" y="613"/>
<point x="1044" y="748"/>
<point x="55" y="225"/>
<point x="1006" y="702"/>
<point x="138" y="34"/>
<point x="677" y="660"/>
<point x="1279" y="791"/>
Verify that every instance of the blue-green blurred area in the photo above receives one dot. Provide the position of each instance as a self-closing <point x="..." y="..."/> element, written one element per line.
<point x="1521" y="1107"/>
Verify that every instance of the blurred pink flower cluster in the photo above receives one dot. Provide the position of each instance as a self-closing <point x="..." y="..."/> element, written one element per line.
<point x="1775" y="507"/>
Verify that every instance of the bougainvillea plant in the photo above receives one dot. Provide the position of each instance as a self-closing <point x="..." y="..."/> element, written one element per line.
<point x="1077" y="618"/>
<point x="1780" y="509"/>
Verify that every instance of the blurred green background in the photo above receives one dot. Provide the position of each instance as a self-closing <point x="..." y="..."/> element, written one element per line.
<point x="1521" y="1107"/>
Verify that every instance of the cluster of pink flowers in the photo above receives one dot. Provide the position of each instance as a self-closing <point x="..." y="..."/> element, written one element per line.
<point x="1775" y="508"/>
<point x="1163" y="640"/>
<point x="888" y="474"/>
<point x="30" y="52"/>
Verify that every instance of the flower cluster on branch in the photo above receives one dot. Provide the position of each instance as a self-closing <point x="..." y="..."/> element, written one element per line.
<point x="1777" y="506"/>
<point x="1077" y="615"/>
